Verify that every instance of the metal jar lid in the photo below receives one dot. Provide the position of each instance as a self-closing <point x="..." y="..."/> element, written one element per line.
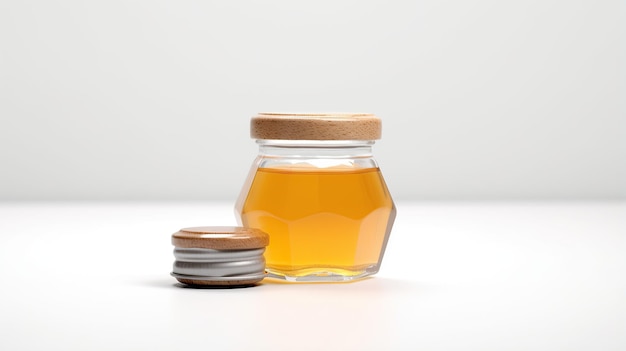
<point x="222" y="256"/>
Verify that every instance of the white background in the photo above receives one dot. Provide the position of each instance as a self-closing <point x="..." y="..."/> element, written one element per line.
<point x="150" y="100"/>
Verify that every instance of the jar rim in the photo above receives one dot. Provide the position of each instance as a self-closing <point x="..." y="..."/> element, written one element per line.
<point x="314" y="143"/>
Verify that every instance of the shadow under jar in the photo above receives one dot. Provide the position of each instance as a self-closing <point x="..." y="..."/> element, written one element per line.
<point x="316" y="189"/>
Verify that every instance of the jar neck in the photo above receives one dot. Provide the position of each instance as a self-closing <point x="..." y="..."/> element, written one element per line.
<point x="315" y="148"/>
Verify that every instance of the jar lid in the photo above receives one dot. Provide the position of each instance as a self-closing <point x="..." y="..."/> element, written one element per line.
<point x="220" y="238"/>
<point x="315" y="126"/>
<point x="223" y="256"/>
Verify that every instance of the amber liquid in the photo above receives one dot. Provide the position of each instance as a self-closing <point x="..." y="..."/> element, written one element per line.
<point x="321" y="222"/>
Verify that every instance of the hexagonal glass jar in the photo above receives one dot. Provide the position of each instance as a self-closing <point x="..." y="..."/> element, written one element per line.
<point x="316" y="189"/>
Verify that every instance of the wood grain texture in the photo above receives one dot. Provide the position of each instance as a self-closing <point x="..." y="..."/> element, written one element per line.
<point x="323" y="126"/>
<point x="220" y="238"/>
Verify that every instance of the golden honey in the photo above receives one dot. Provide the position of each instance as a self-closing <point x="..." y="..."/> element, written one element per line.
<point x="321" y="221"/>
<point x="316" y="189"/>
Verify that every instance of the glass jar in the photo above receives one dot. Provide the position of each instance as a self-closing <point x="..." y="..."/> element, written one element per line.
<point x="316" y="189"/>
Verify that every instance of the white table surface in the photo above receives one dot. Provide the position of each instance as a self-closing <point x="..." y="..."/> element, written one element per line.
<point x="456" y="276"/>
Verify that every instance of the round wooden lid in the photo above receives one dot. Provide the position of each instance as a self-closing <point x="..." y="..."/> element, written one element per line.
<point x="220" y="238"/>
<point x="315" y="126"/>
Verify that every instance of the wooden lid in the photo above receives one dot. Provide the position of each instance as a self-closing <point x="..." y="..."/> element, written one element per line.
<point x="315" y="126"/>
<point x="220" y="238"/>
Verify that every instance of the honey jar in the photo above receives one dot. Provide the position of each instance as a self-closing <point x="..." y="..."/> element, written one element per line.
<point x="316" y="189"/>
